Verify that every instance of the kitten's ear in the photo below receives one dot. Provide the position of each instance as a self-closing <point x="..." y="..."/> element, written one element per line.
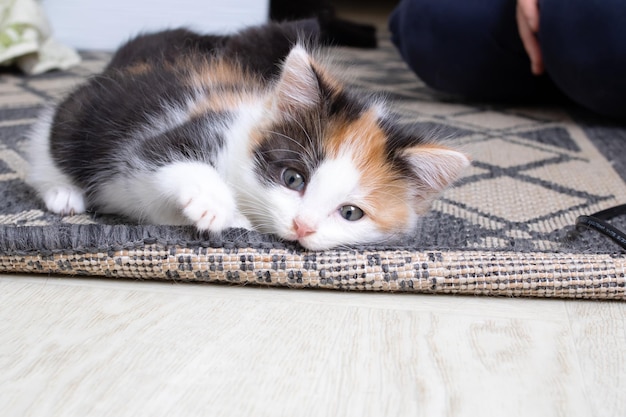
<point x="298" y="86"/>
<point x="436" y="166"/>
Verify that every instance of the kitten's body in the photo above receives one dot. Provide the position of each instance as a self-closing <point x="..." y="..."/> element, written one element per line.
<point x="240" y="131"/>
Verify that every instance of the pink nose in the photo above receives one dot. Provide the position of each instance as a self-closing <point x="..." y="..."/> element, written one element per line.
<point x="302" y="229"/>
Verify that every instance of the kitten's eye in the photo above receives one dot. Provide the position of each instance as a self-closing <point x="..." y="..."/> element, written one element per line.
<point x="351" y="213"/>
<point x="293" y="179"/>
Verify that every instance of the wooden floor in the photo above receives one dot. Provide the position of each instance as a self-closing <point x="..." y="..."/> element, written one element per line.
<point x="91" y="347"/>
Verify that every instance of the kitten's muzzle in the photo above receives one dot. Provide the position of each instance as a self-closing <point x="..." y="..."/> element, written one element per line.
<point x="302" y="229"/>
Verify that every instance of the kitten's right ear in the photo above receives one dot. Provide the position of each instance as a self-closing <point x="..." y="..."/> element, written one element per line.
<point x="298" y="86"/>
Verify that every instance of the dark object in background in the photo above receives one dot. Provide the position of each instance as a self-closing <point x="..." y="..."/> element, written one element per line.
<point x="334" y="31"/>
<point x="473" y="49"/>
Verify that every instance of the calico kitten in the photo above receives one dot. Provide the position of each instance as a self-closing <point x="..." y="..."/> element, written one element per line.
<point x="248" y="130"/>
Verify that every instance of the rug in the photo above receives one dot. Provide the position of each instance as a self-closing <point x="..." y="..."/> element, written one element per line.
<point x="506" y="228"/>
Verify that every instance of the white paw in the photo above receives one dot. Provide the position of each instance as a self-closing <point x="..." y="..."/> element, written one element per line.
<point x="241" y="221"/>
<point x="201" y="195"/>
<point x="65" y="200"/>
<point x="207" y="207"/>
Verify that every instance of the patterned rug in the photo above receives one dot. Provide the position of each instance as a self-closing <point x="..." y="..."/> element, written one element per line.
<point x="505" y="229"/>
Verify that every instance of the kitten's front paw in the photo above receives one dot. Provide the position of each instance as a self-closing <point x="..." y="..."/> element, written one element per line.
<point x="242" y="222"/>
<point x="65" y="200"/>
<point x="208" y="213"/>
<point x="201" y="195"/>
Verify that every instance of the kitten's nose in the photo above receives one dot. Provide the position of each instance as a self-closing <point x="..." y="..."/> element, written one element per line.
<point x="302" y="228"/>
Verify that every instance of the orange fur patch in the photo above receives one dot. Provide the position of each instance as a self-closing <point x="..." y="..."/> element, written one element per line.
<point x="139" y="68"/>
<point x="223" y="81"/>
<point x="387" y="201"/>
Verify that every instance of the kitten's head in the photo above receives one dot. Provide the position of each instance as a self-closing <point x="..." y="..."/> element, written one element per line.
<point x="333" y="169"/>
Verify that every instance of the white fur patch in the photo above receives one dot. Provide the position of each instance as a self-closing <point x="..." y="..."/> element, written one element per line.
<point x="234" y="159"/>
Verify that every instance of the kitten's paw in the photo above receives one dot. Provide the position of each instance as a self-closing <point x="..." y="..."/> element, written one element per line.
<point x="65" y="200"/>
<point x="201" y="195"/>
<point x="242" y="222"/>
<point x="209" y="208"/>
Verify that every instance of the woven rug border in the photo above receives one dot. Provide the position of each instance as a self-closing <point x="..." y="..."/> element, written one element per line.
<point x="512" y="274"/>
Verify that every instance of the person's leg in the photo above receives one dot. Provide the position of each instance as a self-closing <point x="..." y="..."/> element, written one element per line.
<point x="583" y="43"/>
<point x="467" y="48"/>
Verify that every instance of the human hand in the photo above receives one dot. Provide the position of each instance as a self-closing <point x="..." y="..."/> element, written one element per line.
<point x="528" y="25"/>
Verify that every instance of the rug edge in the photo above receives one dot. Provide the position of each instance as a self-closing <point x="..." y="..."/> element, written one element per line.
<point x="511" y="274"/>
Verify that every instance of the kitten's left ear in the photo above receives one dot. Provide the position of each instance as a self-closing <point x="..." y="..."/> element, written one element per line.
<point x="436" y="166"/>
<point x="298" y="86"/>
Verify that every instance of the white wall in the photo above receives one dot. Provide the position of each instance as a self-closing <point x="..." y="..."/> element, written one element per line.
<point x="105" y="24"/>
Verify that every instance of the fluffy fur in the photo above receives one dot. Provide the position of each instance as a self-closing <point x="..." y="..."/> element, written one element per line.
<point x="248" y="130"/>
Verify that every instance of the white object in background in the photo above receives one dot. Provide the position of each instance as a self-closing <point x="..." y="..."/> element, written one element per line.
<point x="98" y="24"/>
<point x="25" y="39"/>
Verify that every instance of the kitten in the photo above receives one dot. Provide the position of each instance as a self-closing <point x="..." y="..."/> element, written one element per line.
<point x="248" y="130"/>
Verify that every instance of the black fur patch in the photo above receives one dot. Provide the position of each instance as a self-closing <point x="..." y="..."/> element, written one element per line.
<point x="295" y="144"/>
<point x="96" y="123"/>
<point x="199" y="139"/>
<point x="344" y="104"/>
<point x="399" y="139"/>
<point x="339" y="103"/>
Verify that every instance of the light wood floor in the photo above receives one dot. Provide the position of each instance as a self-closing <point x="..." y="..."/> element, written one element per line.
<point x="90" y="347"/>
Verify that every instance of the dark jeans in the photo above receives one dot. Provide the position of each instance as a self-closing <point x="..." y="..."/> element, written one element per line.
<point x="472" y="48"/>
